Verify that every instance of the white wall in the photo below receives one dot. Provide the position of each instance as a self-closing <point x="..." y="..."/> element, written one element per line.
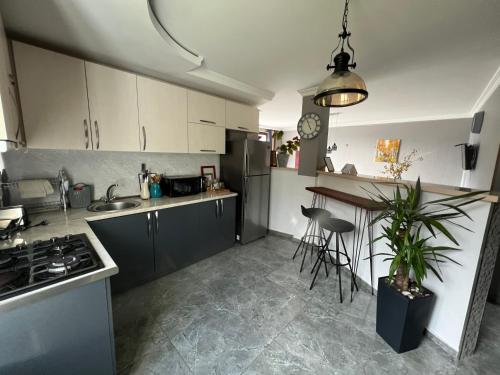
<point x="435" y="141"/>
<point x="452" y="296"/>
<point x="283" y="216"/>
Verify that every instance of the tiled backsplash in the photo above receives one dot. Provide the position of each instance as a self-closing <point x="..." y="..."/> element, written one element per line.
<point x="101" y="168"/>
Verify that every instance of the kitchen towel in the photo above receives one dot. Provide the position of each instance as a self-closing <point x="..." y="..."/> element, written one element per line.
<point x="29" y="189"/>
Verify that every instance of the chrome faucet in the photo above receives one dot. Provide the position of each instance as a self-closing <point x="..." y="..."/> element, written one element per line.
<point x="109" y="193"/>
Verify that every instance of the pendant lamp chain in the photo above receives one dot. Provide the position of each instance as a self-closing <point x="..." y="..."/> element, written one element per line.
<point x="344" y="37"/>
<point x="343" y="87"/>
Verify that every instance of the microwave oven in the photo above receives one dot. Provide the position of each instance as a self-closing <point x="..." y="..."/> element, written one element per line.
<point x="179" y="186"/>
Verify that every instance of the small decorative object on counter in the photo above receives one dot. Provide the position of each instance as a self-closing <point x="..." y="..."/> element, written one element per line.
<point x="349" y="169"/>
<point x="144" y="182"/>
<point x="79" y="195"/>
<point x="208" y="171"/>
<point x="395" y="169"/>
<point x="329" y="164"/>
<point x="154" y="188"/>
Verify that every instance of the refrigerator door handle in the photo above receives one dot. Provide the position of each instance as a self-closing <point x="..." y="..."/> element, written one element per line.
<point x="245" y="190"/>
<point x="247" y="160"/>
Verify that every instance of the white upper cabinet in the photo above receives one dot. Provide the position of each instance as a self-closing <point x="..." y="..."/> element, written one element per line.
<point x="206" y="139"/>
<point x="53" y="96"/>
<point x="162" y="116"/>
<point x="113" y="108"/>
<point x="242" y="117"/>
<point x="10" y="120"/>
<point x="206" y="109"/>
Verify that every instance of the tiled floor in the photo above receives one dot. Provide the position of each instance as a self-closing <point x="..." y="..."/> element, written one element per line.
<point x="249" y="311"/>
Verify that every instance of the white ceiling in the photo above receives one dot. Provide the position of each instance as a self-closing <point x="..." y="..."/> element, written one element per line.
<point x="420" y="59"/>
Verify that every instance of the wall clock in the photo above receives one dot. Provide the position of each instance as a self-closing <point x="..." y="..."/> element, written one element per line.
<point x="309" y="125"/>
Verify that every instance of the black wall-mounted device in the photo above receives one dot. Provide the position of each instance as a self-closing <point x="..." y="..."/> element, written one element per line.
<point x="477" y="122"/>
<point x="469" y="155"/>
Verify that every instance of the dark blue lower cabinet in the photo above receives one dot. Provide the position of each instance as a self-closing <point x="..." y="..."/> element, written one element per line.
<point x="176" y="238"/>
<point x="67" y="333"/>
<point x="150" y="245"/>
<point x="217" y="226"/>
<point x="129" y="241"/>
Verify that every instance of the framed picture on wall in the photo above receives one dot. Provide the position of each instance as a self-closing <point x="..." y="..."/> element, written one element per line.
<point x="208" y="171"/>
<point x="387" y="150"/>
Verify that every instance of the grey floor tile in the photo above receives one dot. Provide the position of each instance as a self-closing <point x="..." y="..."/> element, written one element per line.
<point x="164" y="359"/>
<point x="222" y="343"/>
<point x="249" y="310"/>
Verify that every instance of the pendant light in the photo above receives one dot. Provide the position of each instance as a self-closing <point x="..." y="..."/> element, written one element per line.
<point x="342" y="88"/>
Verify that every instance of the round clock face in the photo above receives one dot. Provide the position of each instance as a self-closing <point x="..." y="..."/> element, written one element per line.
<point x="309" y="125"/>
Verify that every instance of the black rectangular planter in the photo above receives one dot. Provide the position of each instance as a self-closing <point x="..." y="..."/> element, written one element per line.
<point x="401" y="321"/>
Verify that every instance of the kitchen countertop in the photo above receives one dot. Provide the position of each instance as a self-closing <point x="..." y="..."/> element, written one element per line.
<point x="428" y="187"/>
<point x="74" y="221"/>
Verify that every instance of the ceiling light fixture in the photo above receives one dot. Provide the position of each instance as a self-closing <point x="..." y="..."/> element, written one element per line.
<point x="342" y="88"/>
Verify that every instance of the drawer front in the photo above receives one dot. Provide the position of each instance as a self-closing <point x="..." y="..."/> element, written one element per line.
<point x="206" y="139"/>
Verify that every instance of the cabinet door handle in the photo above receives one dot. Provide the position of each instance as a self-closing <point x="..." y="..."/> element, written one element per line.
<point x="86" y="133"/>
<point x="144" y="138"/>
<point x="242" y="128"/>
<point x="217" y="208"/>
<point x="97" y="134"/>
<point x="149" y="224"/>
<point x="157" y="220"/>
<point x="221" y="207"/>
<point x="208" y="122"/>
<point x="208" y="151"/>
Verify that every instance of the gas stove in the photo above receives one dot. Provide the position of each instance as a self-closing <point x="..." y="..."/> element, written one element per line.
<point x="31" y="266"/>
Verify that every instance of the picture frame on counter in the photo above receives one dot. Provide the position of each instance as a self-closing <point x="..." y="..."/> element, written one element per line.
<point x="329" y="164"/>
<point x="208" y="171"/>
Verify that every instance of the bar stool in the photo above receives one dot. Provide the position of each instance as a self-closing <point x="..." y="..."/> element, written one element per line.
<point x="337" y="227"/>
<point x="314" y="236"/>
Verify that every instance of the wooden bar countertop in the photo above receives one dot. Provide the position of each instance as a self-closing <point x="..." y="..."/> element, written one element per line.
<point x="492" y="197"/>
<point x="354" y="200"/>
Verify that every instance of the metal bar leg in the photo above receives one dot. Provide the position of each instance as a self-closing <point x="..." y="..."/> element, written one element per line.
<point x="370" y="247"/>
<point x="316" y="263"/>
<point x="353" y="278"/>
<point x="302" y="239"/>
<point x="324" y="262"/>
<point x="317" y="271"/>
<point x="313" y="232"/>
<point x="338" y="262"/>
<point x="337" y="253"/>
<point x="307" y="242"/>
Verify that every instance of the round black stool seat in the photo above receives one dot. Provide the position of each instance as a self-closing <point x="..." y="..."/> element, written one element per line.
<point x="336" y="225"/>
<point x="315" y="213"/>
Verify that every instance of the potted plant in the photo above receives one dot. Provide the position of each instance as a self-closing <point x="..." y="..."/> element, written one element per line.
<point x="395" y="168"/>
<point x="403" y="304"/>
<point x="287" y="149"/>
<point x="277" y="136"/>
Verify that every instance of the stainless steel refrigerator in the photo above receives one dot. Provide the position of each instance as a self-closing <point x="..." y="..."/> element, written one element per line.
<point x="246" y="169"/>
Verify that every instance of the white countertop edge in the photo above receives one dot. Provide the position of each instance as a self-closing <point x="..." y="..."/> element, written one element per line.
<point x="110" y="268"/>
<point x="159" y="206"/>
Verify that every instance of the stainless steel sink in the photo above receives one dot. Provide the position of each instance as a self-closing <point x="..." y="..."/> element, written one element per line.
<point x="113" y="206"/>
